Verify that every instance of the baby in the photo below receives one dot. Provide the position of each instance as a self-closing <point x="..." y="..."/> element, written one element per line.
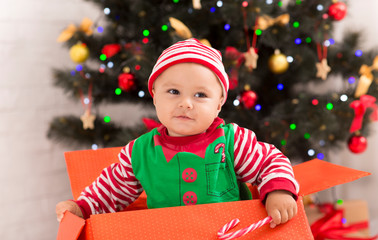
<point x="194" y="157"/>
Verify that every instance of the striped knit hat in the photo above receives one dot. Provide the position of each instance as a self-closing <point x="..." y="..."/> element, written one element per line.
<point x="191" y="51"/>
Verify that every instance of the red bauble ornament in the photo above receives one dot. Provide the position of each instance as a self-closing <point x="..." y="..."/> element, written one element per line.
<point x="126" y="81"/>
<point x="337" y="11"/>
<point x="249" y="99"/>
<point x="357" y="144"/>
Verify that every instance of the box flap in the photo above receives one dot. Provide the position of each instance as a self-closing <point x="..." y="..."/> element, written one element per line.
<point x="70" y="227"/>
<point x="317" y="175"/>
<point x="196" y="222"/>
<point x="86" y="165"/>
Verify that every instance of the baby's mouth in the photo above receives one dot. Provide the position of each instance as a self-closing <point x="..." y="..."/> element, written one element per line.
<point x="183" y="117"/>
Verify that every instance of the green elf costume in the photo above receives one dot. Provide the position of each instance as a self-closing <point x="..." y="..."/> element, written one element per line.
<point x="194" y="169"/>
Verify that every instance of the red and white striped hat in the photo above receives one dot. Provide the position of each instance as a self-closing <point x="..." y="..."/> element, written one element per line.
<point x="191" y="51"/>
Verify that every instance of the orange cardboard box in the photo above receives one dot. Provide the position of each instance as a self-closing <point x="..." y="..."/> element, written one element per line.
<point x="189" y="222"/>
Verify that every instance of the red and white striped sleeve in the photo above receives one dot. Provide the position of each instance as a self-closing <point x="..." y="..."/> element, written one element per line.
<point x="262" y="164"/>
<point x="114" y="189"/>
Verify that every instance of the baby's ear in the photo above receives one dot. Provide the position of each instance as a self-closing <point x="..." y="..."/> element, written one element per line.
<point x="220" y="104"/>
<point x="153" y="95"/>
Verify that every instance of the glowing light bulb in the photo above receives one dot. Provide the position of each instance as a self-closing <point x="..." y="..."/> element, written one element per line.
<point x="79" y="68"/>
<point x="320" y="7"/>
<point x="86" y="101"/>
<point x="107" y="119"/>
<point x="236" y="102"/>
<point x="311" y="152"/>
<point x="107" y="11"/>
<point x="102" y="57"/>
<point x="352" y="80"/>
<point x="164" y="28"/>
<point x="258" y="107"/>
<point x="141" y="93"/>
<point x="118" y="91"/>
<point x="320" y="156"/>
<point x="146" y="33"/>
<point x="329" y="106"/>
<point x="343" y="98"/>
<point x="358" y="53"/>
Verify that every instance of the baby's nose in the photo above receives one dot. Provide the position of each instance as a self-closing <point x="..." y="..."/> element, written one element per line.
<point x="186" y="102"/>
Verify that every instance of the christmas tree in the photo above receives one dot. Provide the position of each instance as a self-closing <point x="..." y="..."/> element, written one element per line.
<point x="274" y="52"/>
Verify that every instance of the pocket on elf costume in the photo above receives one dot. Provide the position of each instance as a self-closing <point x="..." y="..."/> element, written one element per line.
<point x="219" y="179"/>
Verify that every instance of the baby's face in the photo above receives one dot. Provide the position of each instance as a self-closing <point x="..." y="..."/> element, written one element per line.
<point x="187" y="98"/>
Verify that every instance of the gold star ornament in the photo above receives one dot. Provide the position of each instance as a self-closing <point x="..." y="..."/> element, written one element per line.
<point x="251" y="59"/>
<point x="197" y="4"/>
<point x="322" y="69"/>
<point x="88" y="120"/>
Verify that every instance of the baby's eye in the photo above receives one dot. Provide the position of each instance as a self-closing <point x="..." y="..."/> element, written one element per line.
<point x="173" y="91"/>
<point x="200" y="95"/>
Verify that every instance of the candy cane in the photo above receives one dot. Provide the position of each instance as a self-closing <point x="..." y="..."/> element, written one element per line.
<point x="226" y="236"/>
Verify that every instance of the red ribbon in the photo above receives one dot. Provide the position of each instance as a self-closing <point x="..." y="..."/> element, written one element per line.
<point x="234" y="55"/>
<point x="111" y="49"/>
<point x="360" y="106"/>
<point x="331" y="227"/>
<point x="150" y="123"/>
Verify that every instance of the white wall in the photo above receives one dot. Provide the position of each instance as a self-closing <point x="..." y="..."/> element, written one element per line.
<point x="33" y="177"/>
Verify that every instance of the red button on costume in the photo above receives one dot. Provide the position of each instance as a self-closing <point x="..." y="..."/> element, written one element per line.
<point x="190" y="198"/>
<point x="189" y="175"/>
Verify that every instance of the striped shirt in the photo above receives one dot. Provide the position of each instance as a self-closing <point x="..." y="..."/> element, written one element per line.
<point x="254" y="162"/>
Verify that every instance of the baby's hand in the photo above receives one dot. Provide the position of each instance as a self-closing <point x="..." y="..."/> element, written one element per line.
<point x="67" y="206"/>
<point x="281" y="206"/>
